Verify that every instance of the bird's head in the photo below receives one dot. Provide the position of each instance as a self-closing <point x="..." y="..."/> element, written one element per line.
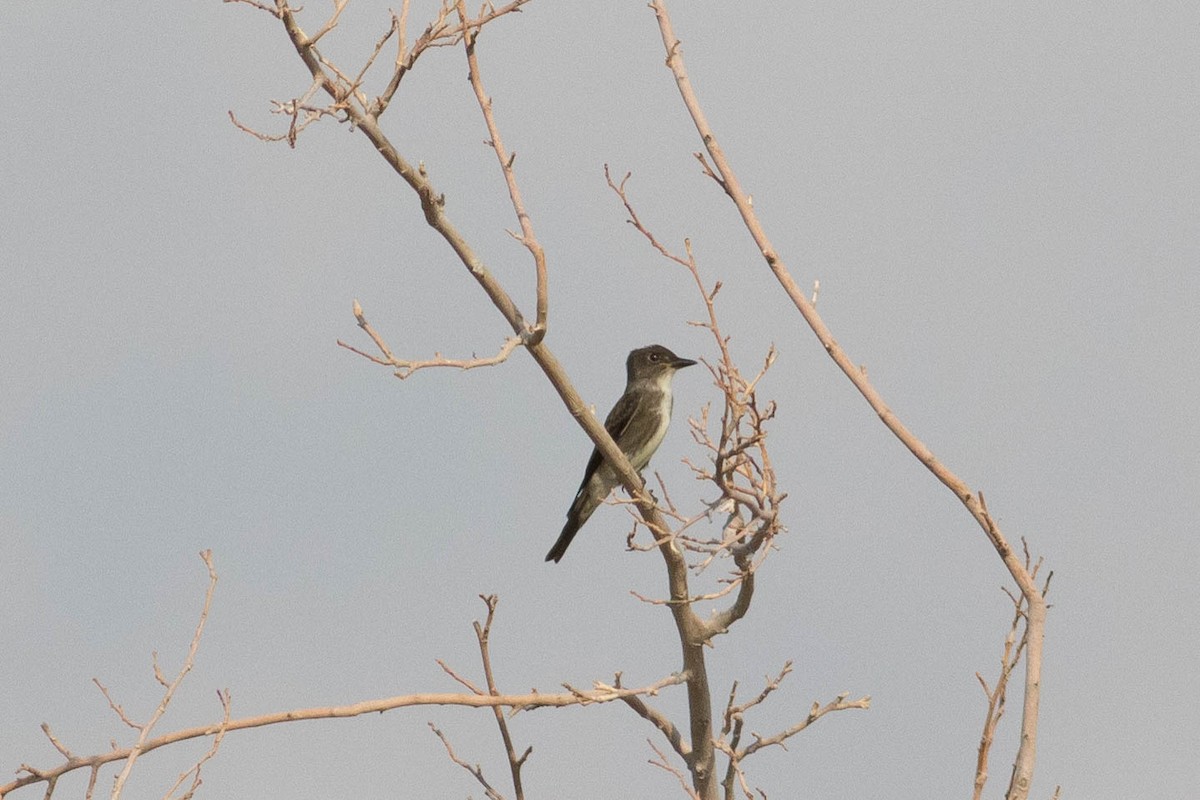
<point x="655" y="361"/>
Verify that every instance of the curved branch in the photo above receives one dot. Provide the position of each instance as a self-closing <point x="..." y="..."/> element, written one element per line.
<point x="724" y="175"/>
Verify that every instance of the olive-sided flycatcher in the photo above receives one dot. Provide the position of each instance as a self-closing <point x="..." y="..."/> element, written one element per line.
<point x="637" y="423"/>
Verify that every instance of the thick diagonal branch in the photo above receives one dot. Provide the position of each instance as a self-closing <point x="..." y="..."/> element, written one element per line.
<point x="691" y="629"/>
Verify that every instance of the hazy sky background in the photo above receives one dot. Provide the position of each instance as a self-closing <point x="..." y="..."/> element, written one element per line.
<point x="1002" y="204"/>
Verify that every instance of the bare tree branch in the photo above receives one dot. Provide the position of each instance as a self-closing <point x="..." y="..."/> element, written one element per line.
<point x="729" y="741"/>
<point x="117" y="709"/>
<point x="723" y="174"/>
<point x="741" y="464"/>
<point x="406" y="368"/>
<point x="256" y="4"/>
<point x="664" y="764"/>
<point x="475" y="770"/>
<point x="172" y="686"/>
<point x="742" y="472"/>
<point x="527" y="237"/>
<point x="693" y="632"/>
<point x="194" y="772"/>
<point x="517" y="702"/>
<point x="59" y="746"/>
<point x="839" y="703"/>
<point x="464" y="681"/>
<point x="1011" y="657"/>
<point x="482" y="634"/>
<point x="433" y="206"/>
<point x="660" y="721"/>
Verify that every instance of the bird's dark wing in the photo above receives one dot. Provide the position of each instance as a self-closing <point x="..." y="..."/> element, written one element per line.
<point x="616" y="423"/>
<point x="587" y="498"/>
<point x="622" y="414"/>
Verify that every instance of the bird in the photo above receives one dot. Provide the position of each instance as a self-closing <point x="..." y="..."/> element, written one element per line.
<point x="637" y="423"/>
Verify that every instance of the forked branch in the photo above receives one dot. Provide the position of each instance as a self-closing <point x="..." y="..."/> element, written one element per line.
<point x="729" y="741"/>
<point x="404" y="368"/>
<point x="997" y="695"/>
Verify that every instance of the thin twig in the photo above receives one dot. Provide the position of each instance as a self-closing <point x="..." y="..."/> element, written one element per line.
<point x="528" y="238"/>
<point x="662" y="763"/>
<point x="482" y="635"/>
<point x="840" y="703"/>
<point x="474" y="769"/>
<point x="173" y="686"/>
<point x="226" y="703"/>
<point x="464" y="681"/>
<point x="59" y="746"/>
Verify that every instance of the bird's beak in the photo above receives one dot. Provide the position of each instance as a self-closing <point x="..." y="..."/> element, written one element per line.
<point x="680" y="363"/>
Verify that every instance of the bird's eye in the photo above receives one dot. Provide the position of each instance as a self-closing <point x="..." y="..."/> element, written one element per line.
<point x="654" y="356"/>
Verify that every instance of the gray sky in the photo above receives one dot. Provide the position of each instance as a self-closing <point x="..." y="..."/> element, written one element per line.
<point x="1001" y="205"/>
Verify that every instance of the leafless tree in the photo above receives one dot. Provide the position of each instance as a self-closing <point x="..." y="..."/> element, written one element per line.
<point x="737" y="528"/>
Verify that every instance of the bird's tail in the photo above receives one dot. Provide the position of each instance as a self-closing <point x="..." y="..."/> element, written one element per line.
<point x="581" y="509"/>
<point x="564" y="540"/>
